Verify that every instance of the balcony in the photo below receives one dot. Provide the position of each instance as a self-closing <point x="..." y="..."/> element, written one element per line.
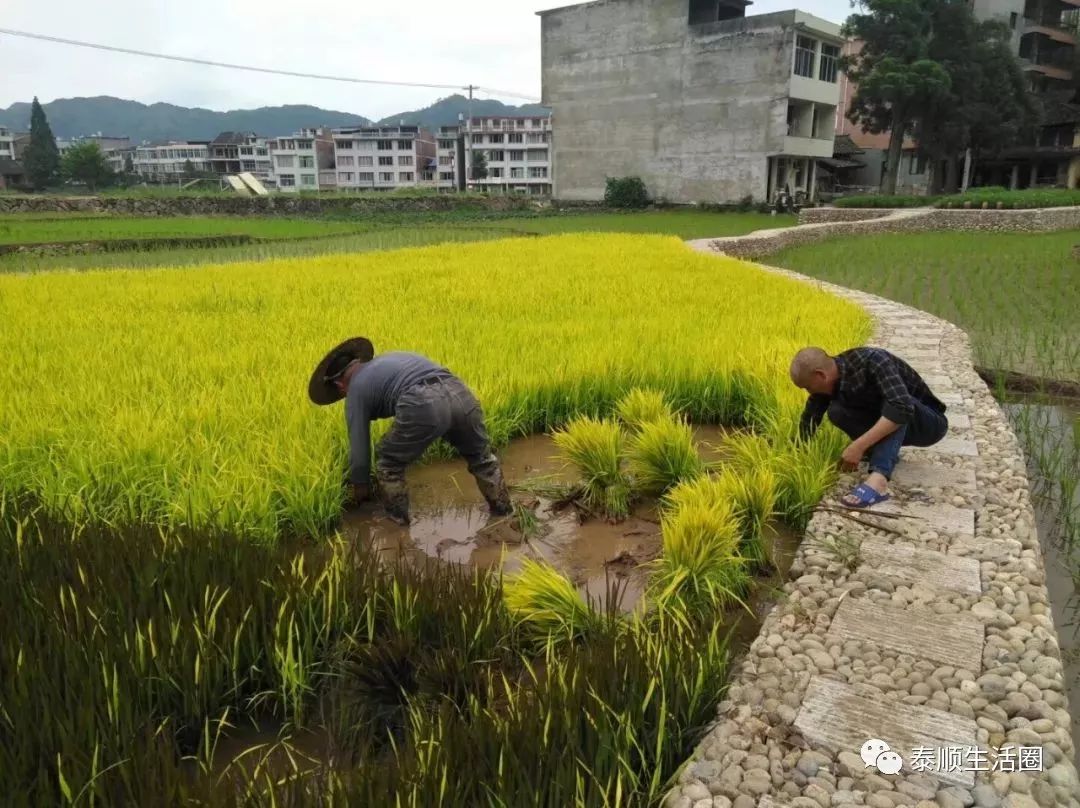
<point x="1050" y="71"/>
<point x="1048" y="29"/>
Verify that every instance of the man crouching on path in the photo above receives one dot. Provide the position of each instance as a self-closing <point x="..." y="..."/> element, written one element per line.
<point x="426" y="401"/>
<point x="878" y="400"/>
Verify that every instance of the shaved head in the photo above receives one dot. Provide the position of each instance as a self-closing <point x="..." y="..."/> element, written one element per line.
<point x="811" y="368"/>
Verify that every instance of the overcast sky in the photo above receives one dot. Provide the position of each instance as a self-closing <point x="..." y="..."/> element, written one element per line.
<point x="494" y="43"/>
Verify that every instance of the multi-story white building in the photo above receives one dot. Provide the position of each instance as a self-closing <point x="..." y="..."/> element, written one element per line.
<point x="303" y="161"/>
<point x="7" y="143"/>
<point x="517" y="151"/>
<point x="236" y="152"/>
<point x="384" y="157"/>
<point x="446" y="168"/>
<point x="162" y="162"/>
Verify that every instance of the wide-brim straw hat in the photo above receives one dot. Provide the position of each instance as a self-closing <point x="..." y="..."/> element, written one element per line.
<point x="322" y="390"/>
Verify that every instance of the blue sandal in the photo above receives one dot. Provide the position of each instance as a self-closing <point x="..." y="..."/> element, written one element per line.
<point x="866" y="497"/>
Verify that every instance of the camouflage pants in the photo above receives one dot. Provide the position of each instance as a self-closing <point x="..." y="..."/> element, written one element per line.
<point x="438" y="408"/>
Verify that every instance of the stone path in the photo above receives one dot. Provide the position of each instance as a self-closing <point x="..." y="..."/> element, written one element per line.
<point x="928" y="628"/>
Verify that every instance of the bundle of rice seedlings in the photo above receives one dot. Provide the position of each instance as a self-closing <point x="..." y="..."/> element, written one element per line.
<point x="701" y="569"/>
<point x="639" y="407"/>
<point x="663" y="454"/>
<point x="595" y="447"/>
<point x="747" y="451"/>
<point x="546" y="605"/>
<point x="803" y="476"/>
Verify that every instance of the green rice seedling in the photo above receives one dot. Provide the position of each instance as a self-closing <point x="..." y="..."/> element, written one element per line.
<point x="639" y="407"/>
<point x="546" y="606"/>
<point x="595" y="447"/>
<point x="662" y="453"/>
<point x="804" y="474"/>
<point x="753" y="494"/>
<point x="701" y="570"/>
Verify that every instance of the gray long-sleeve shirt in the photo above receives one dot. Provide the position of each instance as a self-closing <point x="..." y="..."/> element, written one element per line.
<point x="373" y="393"/>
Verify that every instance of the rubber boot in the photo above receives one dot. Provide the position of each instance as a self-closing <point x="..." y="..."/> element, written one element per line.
<point x="495" y="492"/>
<point x="395" y="498"/>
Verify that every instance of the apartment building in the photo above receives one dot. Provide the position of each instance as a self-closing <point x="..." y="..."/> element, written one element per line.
<point x="381" y="158"/>
<point x="699" y="100"/>
<point x="446" y="153"/>
<point x="7" y="143"/>
<point x="302" y="160"/>
<point x="1043" y="35"/>
<point x="164" y="162"/>
<point x="517" y="151"/>
<point x="236" y="152"/>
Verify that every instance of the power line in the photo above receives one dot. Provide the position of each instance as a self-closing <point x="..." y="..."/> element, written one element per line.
<point x="273" y="71"/>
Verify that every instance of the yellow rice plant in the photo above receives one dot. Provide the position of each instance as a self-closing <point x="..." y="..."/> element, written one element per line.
<point x="662" y="453"/>
<point x="595" y="448"/>
<point x="639" y="407"/>
<point x="701" y="570"/>
<point x="177" y="395"/>
<point x="546" y="605"/>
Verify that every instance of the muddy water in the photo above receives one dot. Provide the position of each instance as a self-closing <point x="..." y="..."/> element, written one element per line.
<point x="1046" y="430"/>
<point x="451" y="522"/>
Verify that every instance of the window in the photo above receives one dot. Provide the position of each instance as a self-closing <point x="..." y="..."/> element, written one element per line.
<point x="496" y="156"/>
<point x="404" y="145"/>
<point x="386" y="161"/>
<point x="495" y="138"/>
<point x="406" y="176"/>
<point x="830" y="55"/>
<point x="477" y="138"/>
<point x="385" y="145"/>
<point x="286" y="180"/>
<point x="405" y="160"/>
<point x="346" y="160"/>
<point x="365" y="161"/>
<point x="538" y="172"/>
<point x="515" y="137"/>
<point x="307" y="179"/>
<point x="285" y="161"/>
<point x="261" y="152"/>
<point x="386" y="176"/>
<point x="537" y="138"/>
<point x="345" y="145"/>
<point x="345" y="176"/>
<point x="446" y="160"/>
<point x="520" y="123"/>
<point x="366" y="145"/>
<point x="247" y="151"/>
<point x="495" y="173"/>
<point x="537" y="155"/>
<point x="446" y="176"/>
<point x="307" y="162"/>
<point x="247" y="165"/>
<point x="446" y="144"/>
<point x="517" y="173"/>
<point x="917" y="164"/>
<point x="804" y="57"/>
<point x="303" y="145"/>
<point x="517" y="155"/>
<point x="1012" y="20"/>
<point x="537" y="123"/>
<point x="365" y="176"/>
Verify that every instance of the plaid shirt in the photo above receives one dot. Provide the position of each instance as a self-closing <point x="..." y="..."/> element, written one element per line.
<point x="872" y="379"/>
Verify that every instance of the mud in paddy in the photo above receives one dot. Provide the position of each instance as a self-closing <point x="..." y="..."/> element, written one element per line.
<point x="451" y="522"/>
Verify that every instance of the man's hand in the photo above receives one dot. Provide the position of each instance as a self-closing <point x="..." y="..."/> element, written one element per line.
<point x="361" y="492"/>
<point x="851" y="457"/>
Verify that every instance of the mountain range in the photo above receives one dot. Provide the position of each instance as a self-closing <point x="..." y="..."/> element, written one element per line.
<point x="73" y="117"/>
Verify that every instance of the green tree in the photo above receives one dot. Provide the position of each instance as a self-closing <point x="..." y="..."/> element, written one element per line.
<point x="189" y="169"/>
<point x="893" y="72"/>
<point x="987" y="106"/>
<point x="85" y="163"/>
<point x="479" y="166"/>
<point x="41" y="159"/>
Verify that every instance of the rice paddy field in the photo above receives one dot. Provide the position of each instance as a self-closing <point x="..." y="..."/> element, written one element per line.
<point x="173" y="579"/>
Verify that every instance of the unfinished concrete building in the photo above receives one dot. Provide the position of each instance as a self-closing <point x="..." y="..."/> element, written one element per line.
<point x="699" y="100"/>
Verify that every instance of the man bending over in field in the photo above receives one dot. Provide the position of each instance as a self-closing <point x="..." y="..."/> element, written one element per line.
<point x="426" y="401"/>
<point x="878" y="400"/>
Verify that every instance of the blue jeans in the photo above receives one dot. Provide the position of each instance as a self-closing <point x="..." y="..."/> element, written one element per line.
<point x="925" y="428"/>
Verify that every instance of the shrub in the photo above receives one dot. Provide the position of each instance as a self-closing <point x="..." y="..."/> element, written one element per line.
<point x="1029" y="198"/>
<point x="625" y="192"/>
<point x="595" y="447"/>
<point x="663" y="454"/>
<point x="880" y="201"/>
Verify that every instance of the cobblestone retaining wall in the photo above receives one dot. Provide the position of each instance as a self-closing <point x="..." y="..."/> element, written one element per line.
<point x="1034" y="220"/>
<point x="929" y="628"/>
